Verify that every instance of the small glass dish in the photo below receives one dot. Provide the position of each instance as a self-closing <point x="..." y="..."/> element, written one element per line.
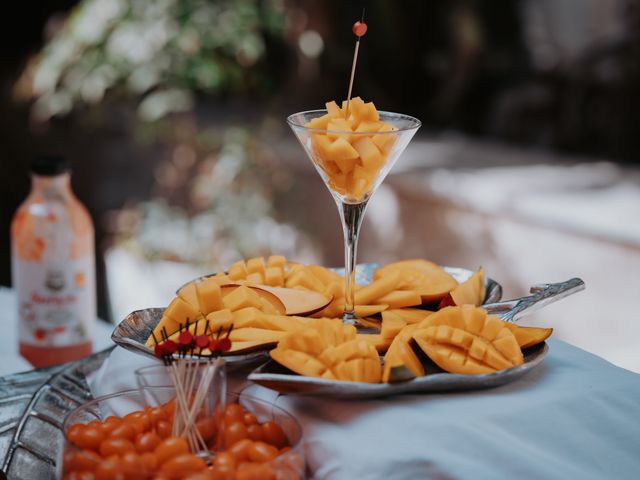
<point x="99" y="420"/>
<point x="152" y="376"/>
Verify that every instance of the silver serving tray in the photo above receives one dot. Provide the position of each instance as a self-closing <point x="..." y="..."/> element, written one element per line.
<point x="276" y="377"/>
<point x="132" y="332"/>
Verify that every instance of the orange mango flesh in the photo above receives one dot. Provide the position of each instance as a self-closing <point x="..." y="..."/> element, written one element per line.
<point x="529" y="336"/>
<point x="400" y="361"/>
<point x="471" y="291"/>
<point x="328" y="349"/>
<point x="351" y="146"/>
<point x="467" y="340"/>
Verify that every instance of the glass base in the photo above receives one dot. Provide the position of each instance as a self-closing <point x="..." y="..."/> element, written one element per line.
<point x="350" y="318"/>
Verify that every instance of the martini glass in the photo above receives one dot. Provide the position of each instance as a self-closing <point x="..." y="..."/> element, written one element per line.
<point x="352" y="182"/>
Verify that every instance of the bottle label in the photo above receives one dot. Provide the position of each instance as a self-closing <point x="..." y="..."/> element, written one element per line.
<point x="56" y="301"/>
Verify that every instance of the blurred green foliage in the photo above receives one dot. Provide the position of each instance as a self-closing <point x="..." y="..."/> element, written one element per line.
<point x="158" y="51"/>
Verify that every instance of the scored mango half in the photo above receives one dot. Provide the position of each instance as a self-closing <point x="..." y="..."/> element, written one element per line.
<point x="467" y="340"/>
<point x="331" y="350"/>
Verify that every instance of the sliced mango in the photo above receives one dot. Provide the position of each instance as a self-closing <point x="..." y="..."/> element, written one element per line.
<point x="392" y="323"/>
<point x="401" y="362"/>
<point x="236" y="297"/>
<point x="529" y="336"/>
<point x="189" y="294"/>
<point x="426" y="278"/>
<point x="467" y="340"/>
<point x="471" y="291"/>
<point x="209" y="295"/>
<point x="411" y="315"/>
<point x="401" y="298"/>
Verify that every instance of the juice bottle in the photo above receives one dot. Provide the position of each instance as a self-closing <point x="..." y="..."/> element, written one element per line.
<point x="53" y="268"/>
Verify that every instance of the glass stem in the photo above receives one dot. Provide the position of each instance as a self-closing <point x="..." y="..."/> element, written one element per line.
<point x="351" y="215"/>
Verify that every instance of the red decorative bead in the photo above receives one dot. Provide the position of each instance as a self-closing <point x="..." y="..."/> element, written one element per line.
<point x="185" y="339"/>
<point x="202" y="341"/>
<point x="224" y="344"/>
<point x="170" y="347"/>
<point x="159" y="350"/>
<point x="359" y="28"/>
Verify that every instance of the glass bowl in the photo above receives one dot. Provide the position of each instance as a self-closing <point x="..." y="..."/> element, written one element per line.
<point x="83" y="459"/>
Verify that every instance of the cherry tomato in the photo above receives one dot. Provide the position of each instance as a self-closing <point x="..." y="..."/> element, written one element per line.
<point x="81" y="476"/>
<point x="139" y="423"/>
<point x="163" y="429"/>
<point x="169" y="448"/>
<point x="262" y="452"/>
<point x="224" y="459"/>
<point x="147" y="442"/>
<point x="81" y="460"/>
<point x="110" y="424"/>
<point x="240" y="450"/>
<point x="272" y="433"/>
<point x="359" y="28"/>
<point x="222" y="473"/>
<point x="233" y="413"/>
<point x="90" y="437"/>
<point x="169" y="409"/>
<point x="249" y="419"/>
<point x="254" y="432"/>
<point x="234" y="432"/>
<point x="73" y="433"/>
<point x="183" y="464"/>
<point x="157" y="414"/>
<point x="116" y="446"/>
<point x="124" y="430"/>
<point x="256" y="471"/>
<point x="149" y="462"/>
<point x="131" y="463"/>
<point x="205" y="475"/>
<point x="207" y="428"/>
<point x="110" y="469"/>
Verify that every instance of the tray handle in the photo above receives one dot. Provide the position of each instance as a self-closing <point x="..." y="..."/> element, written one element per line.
<point x="541" y="295"/>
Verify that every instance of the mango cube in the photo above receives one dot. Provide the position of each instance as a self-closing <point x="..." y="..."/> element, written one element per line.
<point x="241" y="297"/>
<point x="209" y="296"/>
<point x="238" y="271"/>
<point x="369" y="153"/>
<point x="333" y="109"/>
<point x="276" y="261"/>
<point x="274" y="277"/>
<point x="320" y="122"/>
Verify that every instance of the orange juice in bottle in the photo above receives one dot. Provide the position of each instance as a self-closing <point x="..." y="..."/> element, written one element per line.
<point x="53" y="268"/>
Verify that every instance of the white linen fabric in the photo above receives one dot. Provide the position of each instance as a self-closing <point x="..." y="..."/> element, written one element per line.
<point x="575" y="416"/>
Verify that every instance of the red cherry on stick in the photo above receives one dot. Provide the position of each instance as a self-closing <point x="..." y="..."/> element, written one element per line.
<point x="185" y="339"/>
<point x="224" y="344"/>
<point x="202" y="341"/>
<point x="213" y="345"/>
<point x="359" y="28"/>
<point x="159" y="350"/>
<point x="170" y="347"/>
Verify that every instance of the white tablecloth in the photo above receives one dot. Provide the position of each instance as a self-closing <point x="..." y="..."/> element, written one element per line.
<point x="575" y="416"/>
<point x="10" y="359"/>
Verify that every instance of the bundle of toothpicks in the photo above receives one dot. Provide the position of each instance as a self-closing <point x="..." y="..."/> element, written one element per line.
<point x="193" y="362"/>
